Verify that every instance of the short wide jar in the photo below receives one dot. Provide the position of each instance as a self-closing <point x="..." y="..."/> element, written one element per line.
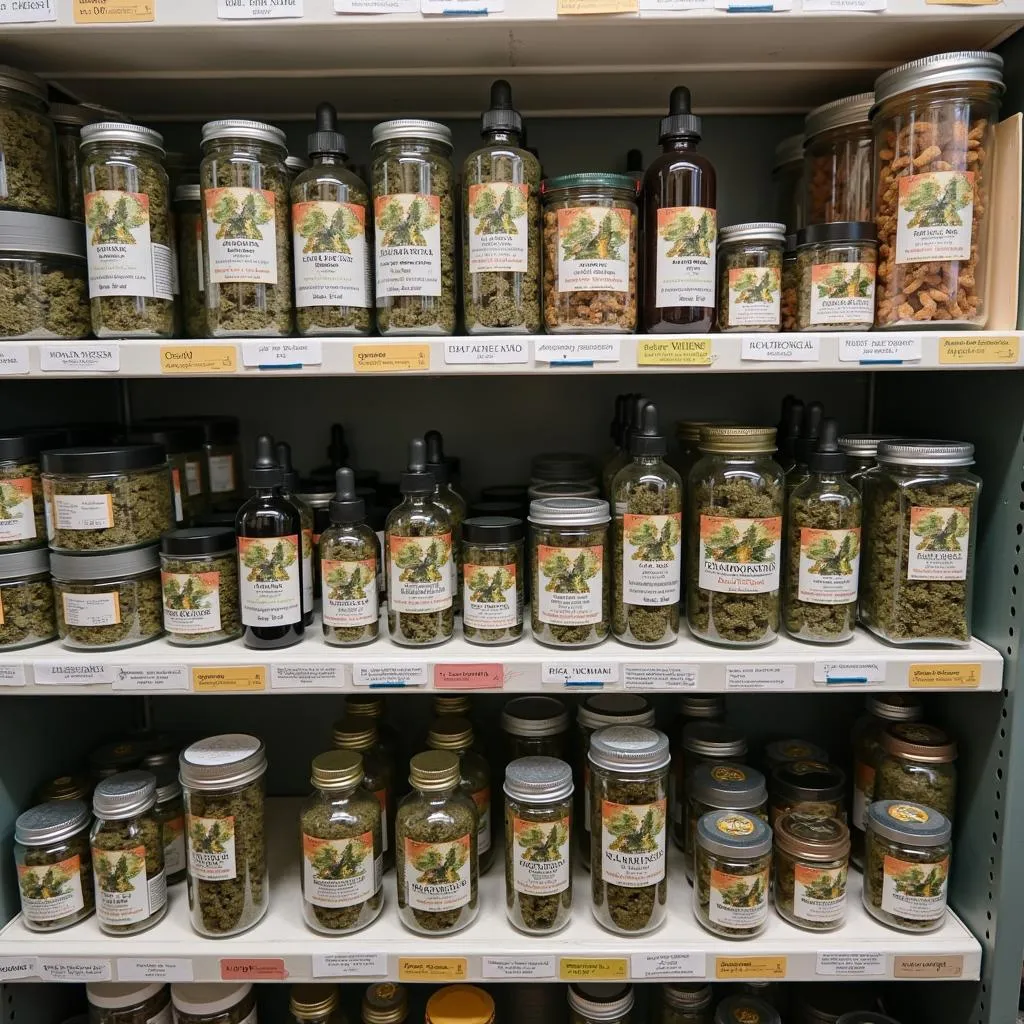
<point x="26" y="599"/>
<point x="128" y="1002"/>
<point x="836" y="266"/>
<point x="493" y="579"/>
<point x="535" y="727"/>
<point x="214" y="1003"/>
<point x="811" y="788"/>
<point x="750" y="277"/>
<point x="812" y="858"/>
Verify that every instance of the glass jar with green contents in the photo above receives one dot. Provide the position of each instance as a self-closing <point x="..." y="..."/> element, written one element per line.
<point x="789" y="305"/>
<point x="22" y="486"/>
<point x="26" y="599"/>
<point x="315" y="1004"/>
<point x="861" y="450"/>
<point x="371" y="706"/>
<point x="813" y="788"/>
<point x="493" y="579"/>
<point x="690" y="708"/>
<point x="188" y="217"/>
<point x="223" y="453"/>
<point x="722" y="787"/>
<point x="596" y="1003"/>
<point x="199" y="582"/>
<point x="686" y="1004"/>
<point x="170" y="812"/>
<point x="703" y="742"/>
<point x="385" y="1003"/>
<point x="836" y="268"/>
<point x="214" y="1003"/>
<point x="129" y="1002"/>
<point x="28" y="145"/>
<point x="811" y="864"/>
<point x="750" y="277"/>
<point x="917" y="764"/>
<point x="183" y="443"/>
<point x="535" y="727"/>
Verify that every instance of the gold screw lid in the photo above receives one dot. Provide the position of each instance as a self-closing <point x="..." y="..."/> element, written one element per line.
<point x="337" y="769"/>
<point x="450" y="733"/>
<point x="66" y="787"/>
<point x="689" y="430"/>
<point x="434" y="770"/>
<point x="362" y="704"/>
<point x="385" y="1003"/>
<point x="718" y="438"/>
<point x="354" y="733"/>
<point x="916" y="741"/>
<point x="809" y="838"/>
<point x="459" y="705"/>
<point x="460" y="1004"/>
<point x="311" y="1002"/>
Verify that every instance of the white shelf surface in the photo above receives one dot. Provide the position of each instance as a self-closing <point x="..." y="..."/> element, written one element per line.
<point x="282" y="947"/>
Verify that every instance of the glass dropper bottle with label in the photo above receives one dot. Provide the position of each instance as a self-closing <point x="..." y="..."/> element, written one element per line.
<point x="290" y="486"/>
<point x="451" y="501"/>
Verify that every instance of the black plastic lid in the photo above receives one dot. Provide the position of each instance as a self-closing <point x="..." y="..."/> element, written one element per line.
<point x="839" y="231"/>
<point x="346" y="505"/>
<point x="436" y="461"/>
<point x="502" y="116"/>
<point x="492" y="529"/>
<point x="489" y="509"/>
<point x="788" y="432"/>
<point x="326" y="140"/>
<point x="216" y="429"/>
<point x="828" y="457"/>
<point x="110" y="459"/>
<point x="505" y="492"/>
<point x="679" y="121"/>
<point x="647" y="440"/>
<point x="337" y="450"/>
<point x="615" y="427"/>
<point x="186" y="437"/>
<point x="810" y="431"/>
<point x="636" y="413"/>
<point x="265" y="470"/>
<point x="417" y="479"/>
<point x="283" y="450"/>
<point x="198" y="540"/>
<point x="26" y="447"/>
<point x="216" y="520"/>
<point x="635" y="162"/>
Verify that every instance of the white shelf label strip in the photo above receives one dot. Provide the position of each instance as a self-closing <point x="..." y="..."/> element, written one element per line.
<point x="514" y="968"/>
<point x="760" y="677"/>
<point x="73" y="969"/>
<point x="144" y="969"/>
<point x="18" y="11"/>
<point x="14" y="968"/>
<point x="668" y="965"/>
<point x="350" y="965"/>
<point x="851" y="964"/>
<point x="258" y="10"/>
<point x="305" y="675"/>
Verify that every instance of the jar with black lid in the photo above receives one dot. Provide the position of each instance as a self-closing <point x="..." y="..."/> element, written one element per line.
<point x="214" y="1003"/>
<point x="183" y="443"/>
<point x="836" y="268"/>
<point x="812" y="788"/>
<point x="493" y="574"/>
<point x="129" y="1002"/>
<point x="535" y="726"/>
<point x="26" y="599"/>
<point x="28" y="145"/>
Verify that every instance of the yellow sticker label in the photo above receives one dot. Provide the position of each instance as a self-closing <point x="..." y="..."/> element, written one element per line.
<point x="728" y="968"/>
<point x="88" y="12"/>
<point x="198" y="358"/>
<point x="432" y="968"/>
<point x="927" y="966"/>
<point x="966" y="349"/>
<point x="229" y="679"/>
<point x="937" y="677"/>
<point x="592" y="969"/>
<point x="598" y="6"/>
<point x="387" y="358"/>
<point x="673" y="352"/>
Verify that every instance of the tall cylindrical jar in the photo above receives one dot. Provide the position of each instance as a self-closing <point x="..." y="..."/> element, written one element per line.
<point x="750" y="277"/>
<point x="493" y="579"/>
<point x="28" y="145"/>
<point x="188" y="218"/>
<point x="69" y="119"/>
<point x="837" y="160"/>
<point x="535" y="727"/>
<point x="862" y="451"/>
<point x="170" y="812"/>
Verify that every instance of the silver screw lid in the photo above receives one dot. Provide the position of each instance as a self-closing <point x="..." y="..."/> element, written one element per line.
<point x="614" y="709"/>
<point x="733" y="833"/>
<point x="896" y="707"/>
<point x="220" y="762"/>
<point x="863" y="445"/>
<point x="682" y="996"/>
<point x="538" y="780"/>
<point x="629" y="748"/>
<point x="24" y="563"/>
<point x="789" y="150"/>
<point x="941" y="69"/>
<point x="569" y="512"/>
<point x="252" y="131"/>
<point x="38" y="233"/>
<point x="708" y="705"/>
<point x="925" y="452"/>
<point x="839" y="113"/>
<point x="78" y="114"/>
<point x="728" y="786"/>
<point x="124" y="795"/>
<point x="714" y="739"/>
<point x="412" y="128"/>
<point x="296" y="164"/>
<point x="911" y="824"/>
<point x="755" y="231"/>
<point x="534" y="716"/>
<point x="122" y="131"/>
<point x="22" y="81"/>
<point x="122" y="995"/>
<point x="188" y="194"/>
<point x="72" y="568"/>
<point x="51" y="822"/>
<point x="601" y="1002"/>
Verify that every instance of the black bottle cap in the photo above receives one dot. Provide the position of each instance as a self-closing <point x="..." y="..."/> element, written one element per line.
<point x="326" y="140"/>
<point x="436" y="462"/>
<point x="679" y="121"/>
<point x="646" y="440"/>
<point x="417" y="479"/>
<point x="615" y="430"/>
<point x="346" y="505"/>
<point x="828" y="457"/>
<point x="337" y="450"/>
<point x="635" y="162"/>
<point x="788" y="432"/>
<point x="810" y="430"/>
<point x="284" y="459"/>
<point x="502" y="116"/>
<point x="636" y="415"/>
<point x="265" y="471"/>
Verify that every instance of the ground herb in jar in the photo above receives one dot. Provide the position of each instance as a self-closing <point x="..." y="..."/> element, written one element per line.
<point x="917" y="763"/>
<point x="199" y="583"/>
<point x="836" y="268"/>
<point x="750" y="276"/>
<point x="26" y="599"/>
<point x="128" y="1003"/>
<point x="811" y="788"/>
<point x="28" y="145"/>
<point x="493" y="581"/>
<point x="811" y="864"/>
<point x="188" y="217"/>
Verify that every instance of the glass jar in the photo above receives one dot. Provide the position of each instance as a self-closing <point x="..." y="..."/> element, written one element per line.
<point x="686" y="1003"/>
<point x="746" y="1010"/>
<point x="535" y="726"/>
<point x="342" y="847"/>
<point x="917" y="763"/>
<point x="837" y="157"/>
<point x="68" y="120"/>
<point x="596" y="1003"/>
<point x="44" y="292"/>
<point x="590" y="253"/>
<point x="538" y="844"/>
<point x="571" y="571"/>
<point x="789" y="185"/>
<point x="127" y="842"/>
<point x="66" y="787"/>
<point x="188" y="216"/>
<point x="315" y="1004"/>
<point x="413" y="198"/>
<point x="295" y="165"/>
<point x="170" y="812"/>
<point x="493" y="577"/>
<point x="934" y="130"/>
<point x="690" y="708"/>
<point x="54" y="865"/>
<point x="183" y="443"/>
<point x="836" y="267"/>
<point x="214" y="1003"/>
<point x="906" y="865"/>
<point x="223" y="781"/>
<point x="750" y="277"/>
<point x="702" y="742"/>
<point x="562" y="467"/>
<point x="121" y="755"/>
<point x="245" y="200"/>
<point x="460" y="1004"/>
<point x="129" y="1002"/>
<point x="734" y="523"/>
<point x="732" y="865"/>
<point x="106" y="498"/>
<point x="629" y="809"/>
<point x="811" y="788"/>
<point x="811" y="863"/>
<point x="789" y="304"/>
<point x="780" y="752"/>
<point x="721" y="787"/>
<point x="370" y="705"/>
<point x="28" y="145"/>
<point x="104" y="602"/>
<point x="26" y="599"/>
<point x="21" y="486"/>
<point x="860" y="451"/>
<point x="385" y="1003"/>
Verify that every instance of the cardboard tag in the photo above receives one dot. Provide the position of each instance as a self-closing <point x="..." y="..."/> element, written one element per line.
<point x="151" y="677"/>
<point x="72" y="673"/>
<point x="851" y="964"/>
<point x="969" y="350"/>
<point x="301" y="676"/>
<point x="198" y="359"/>
<point x="88" y="12"/>
<point x="581" y="351"/>
<point x="389" y="675"/>
<point x="284" y="353"/>
<point x="579" y="968"/>
<point x="390" y="358"/>
<point x="229" y="679"/>
<point x="760" y="677"/>
<point x="674" y="351"/>
<point x="14" y="11"/>
<point x="579" y="673"/>
<point x="350" y="965"/>
<point x="138" y="969"/>
<point x="252" y="969"/>
<point x="79" y="358"/>
<point x="655" y="676"/>
<point x="432" y="969"/>
<point x="781" y="348"/>
<point x="517" y="968"/>
<point x="259" y="10"/>
<point x="964" y="676"/>
<point x="951" y="966"/>
<point x="13" y="358"/>
<point x="469" y="677"/>
<point x="485" y="351"/>
<point x="735" y="968"/>
<point x="668" y="965"/>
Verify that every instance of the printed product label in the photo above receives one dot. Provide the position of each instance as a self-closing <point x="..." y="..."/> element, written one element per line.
<point x="199" y="255"/>
<point x="935" y="216"/>
<point x="489" y="596"/>
<point x="211" y="848"/>
<point x="179" y="512"/>
<point x="241" y="227"/>
<point x="330" y="254"/>
<point x="633" y="843"/>
<point x="420" y="578"/>
<point x="842" y="293"/>
<point x="437" y="875"/>
<point x="339" y="872"/>
<point x="17" y="512"/>
<point x="499" y="233"/>
<point x="739" y="901"/>
<point x="382" y="799"/>
<point x="593" y="249"/>
<point x="755" y="296"/>
<point x="193" y="478"/>
<point x="124" y="895"/>
<point x="863" y="793"/>
<point x="349" y="592"/>
<point x="222" y="473"/>
<point x="938" y="543"/>
<point x="191" y="601"/>
<point x="91" y="609"/>
<point x="408" y="244"/>
<point x="650" y="558"/>
<point x="175" y="858"/>
<point x="83" y="511"/>
<point x="740" y="556"/>
<point x="173" y="254"/>
<point x="572" y="595"/>
<point x="914" y="889"/>
<point x="687" y="240"/>
<point x="123" y="260"/>
<point x="307" y="571"/>
<point x="829" y="565"/>
<point x="482" y="799"/>
<point x="541" y="858"/>
<point x="819" y="893"/>
<point x="52" y="891"/>
<point x="268" y="576"/>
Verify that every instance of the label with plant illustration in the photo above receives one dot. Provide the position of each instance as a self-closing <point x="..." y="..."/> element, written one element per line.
<point x="330" y="254"/>
<point x="842" y="293"/>
<point x="863" y="793"/>
<point x="499" y="233"/>
<point x="935" y="216"/>
<point x="349" y="592"/>
<point x="124" y="895"/>
<point x="420" y="578"/>
<point x="211" y="848"/>
<point x="489" y="599"/>
<point x="829" y="565"/>
<point x="437" y="875"/>
<point x="914" y="889"/>
<point x="573" y="587"/>
<point x="408" y="244"/>
<point x="738" y="901"/>
<point x="633" y="843"/>
<point x="308" y="587"/>
<point x="755" y="296"/>
<point x="175" y="858"/>
<point x="687" y="240"/>
<point x="91" y="609"/>
<point x="191" y="601"/>
<point x="939" y="538"/>
<point x="593" y="249"/>
<point x="241" y="228"/>
<point x="123" y="259"/>
<point x="740" y="556"/>
<point x="540" y="865"/>
<point x="52" y="891"/>
<point x="819" y="894"/>
<point x="83" y="511"/>
<point x="339" y="872"/>
<point x="17" y="512"/>
<point x="268" y="577"/>
<point x="650" y="558"/>
<point x="482" y="799"/>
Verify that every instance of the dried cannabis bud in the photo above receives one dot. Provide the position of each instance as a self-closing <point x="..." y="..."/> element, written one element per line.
<point x="23" y="522"/>
<point x="131" y="605"/>
<point x="837" y="277"/>
<point x="811" y="864"/>
<point x="114" y="874"/>
<point x="750" y="277"/>
<point x="28" y="146"/>
<point x="43" y="298"/>
<point x="26" y="612"/>
<point x="144" y="1010"/>
<point x="494" y="598"/>
<point x="188" y="215"/>
<point x="200" y="599"/>
<point x="917" y="763"/>
<point x="243" y="1012"/>
<point x="789" y="305"/>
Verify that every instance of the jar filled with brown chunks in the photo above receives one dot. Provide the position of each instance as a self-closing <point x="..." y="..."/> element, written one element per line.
<point x="934" y="126"/>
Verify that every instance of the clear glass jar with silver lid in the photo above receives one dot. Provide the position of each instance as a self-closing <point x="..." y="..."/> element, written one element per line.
<point x="413" y="188"/>
<point x="535" y="727"/>
<point x="247" y="232"/>
<point x="703" y="742"/>
<point x="686" y="1003"/>
<point x="920" y="528"/>
<point x="917" y="762"/>
<point x="860" y="450"/>
<point x="811" y="864"/>
<point x="837" y="160"/>
<point x="563" y="489"/>
<point x="26" y="599"/>
<point x="780" y="752"/>
<point x="214" y="1003"/>
<point x="28" y="145"/>
<point x="68" y="120"/>
<point x="597" y="1003"/>
<point x="222" y="778"/>
<point x="129" y="1002"/>
<point x="750" y="276"/>
<point x="315" y="1004"/>
<point x="691" y="707"/>
<point x="746" y="1010"/>
<point x="188" y="218"/>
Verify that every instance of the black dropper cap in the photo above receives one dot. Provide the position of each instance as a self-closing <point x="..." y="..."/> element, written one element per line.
<point x="636" y="416"/>
<point x="810" y="430"/>
<point x="615" y="429"/>
<point x="436" y="462"/>
<point x="502" y="117"/>
<point x="337" y="450"/>
<point x="828" y="457"/>
<point x="646" y="439"/>
<point x="417" y="479"/>
<point x="326" y="140"/>
<point x="635" y="162"/>
<point x="266" y="470"/>
<point x="680" y="122"/>
<point x="346" y="505"/>
<point x="788" y="432"/>
<point x="284" y="460"/>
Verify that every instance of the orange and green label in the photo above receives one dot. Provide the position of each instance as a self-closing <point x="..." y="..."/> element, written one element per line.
<point x="740" y="556"/>
<point x="420" y="579"/>
<point x="329" y="243"/>
<point x="540" y="864"/>
<point x="408" y="244"/>
<point x="938" y="543"/>
<point x="755" y="296"/>
<point x="829" y="565"/>
<point x="52" y="891"/>
<point x="819" y="894"/>
<point x="687" y="241"/>
<point x="595" y="248"/>
<point x="499" y="230"/>
<point x="241" y="232"/>
<point x="268" y="576"/>
<point x="738" y="901"/>
<point x="572" y="585"/>
<point x="842" y="293"/>
<point x="123" y="259"/>
<point x="339" y="873"/>
<point x="490" y="599"/>
<point x="935" y="216"/>
<point x="349" y="592"/>
<point x="914" y="889"/>
<point x="651" y="558"/>
<point x="191" y="602"/>
<point x="633" y="843"/>
<point x="17" y="511"/>
<point x="437" y="875"/>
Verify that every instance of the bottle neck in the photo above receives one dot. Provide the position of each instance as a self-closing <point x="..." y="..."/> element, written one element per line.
<point x="505" y="136"/>
<point x="339" y="792"/>
<point x="647" y="459"/>
<point x="828" y="477"/>
<point x="680" y="144"/>
<point x="266" y="492"/>
<point x="419" y="500"/>
<point x="328" y="158"/>
<point x="436" y="796"/>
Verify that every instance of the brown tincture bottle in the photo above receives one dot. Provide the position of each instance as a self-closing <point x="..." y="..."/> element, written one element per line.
<point x="679" y="193"/>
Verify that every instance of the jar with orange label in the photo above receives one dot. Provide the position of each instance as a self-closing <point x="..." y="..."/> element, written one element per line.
<point x="722" y="787"/>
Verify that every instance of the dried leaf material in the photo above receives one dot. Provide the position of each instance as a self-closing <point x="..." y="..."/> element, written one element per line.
<point x="841" y="297"/>
<point x="538" y="834"/>
<point x="44" y="297"/>
<point x="352" y="547"/>
<point x="186" y="588"/>
<point x="139" y="612"/>
<point x="50" y="884"/>
<point x="919" y="875"/>
<point x="790" y="291"/>
<point x="417" y="628"/>
<point x="747" y="890"/>
<point x="13" y="494"/>
<point x="26" y="612"/>
<point x="28" y="153"/>
<point x="749" y="286"/>
<point x="933" y="785"/>
<point x="485" y="586"/>
<point x="123" y="871"/>
<point x="189" y="219"/>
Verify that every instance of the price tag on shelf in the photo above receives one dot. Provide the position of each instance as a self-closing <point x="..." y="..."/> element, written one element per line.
<point x="674" y="351"/>
<point x="579" y="351"/>
<point x="14" y="968"/>
<point x="485" y="351"/>
<point x="13" y="358"/>
<point x="79" y="358"/>
<point x="879" y="347"/>
<point x="753" y="6"/>
<point x="954" y="676"/>
<point x="843" y="672"/>
<point x="844" y="6"/>
<point x="147" y="969"/>
<point x="469" y="677"/>
<point x="582" y="968"/>
<point x="113" y="12"/>
<point x="858" y="963"/>
<point x="579" y="673"/>
<point x="151" y="678"/>
<point x="668" y="965"/>
<point x="386" y="357"/>
<point x="518" y="968"/>
<point x="15" y="11"/>
<point x="928" y="966"/>
<point x="737" y="968"/>
<point x="350" y="965"/>
<point x="376" y="6"/>
<point x="72" y="673"/>
<point x="73" y="969"/>
<point x="13" y="675"/>
<point x="275" y="355"/>
<point x="597" y="7"/>
<point x="180" y="359"/>
<point x="461" y="7"/>
<point x="413" y="969"/>
<point x="393" y="675"/>
<point x="229" y="679"/>
<point x="966" y="350"/>
<point x="652" y="7"/>
<point x="781" y="348"/>
<point x="658" y="676"/>
<point x="252" y="969"/>
<point x="259" y="10"/>
<point x="760" y="677"/>
<point x="306" y="675"/>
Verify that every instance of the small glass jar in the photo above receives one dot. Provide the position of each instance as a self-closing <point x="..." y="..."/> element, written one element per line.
<point x="562" y="467"/>
<point x="538" y="844"/>
<point x="811" y="864"/>
<point x="170" y="812"/>
<point x="860" y="451"/>
<point x="28" y="145"/>
<point x="563" y="489"/>
<point x="906" y="865"/>
<point x="597" y="1003"/>
<point x="127" y="842"/>
<point x="120" y="755"/>
<point x="385" y="1003"/>
<point x="493" y="578"/>
<point x="414" y="204"/>
<point x="702" y="742"/>
<point x="920" y="527"/>
<point x="66" y="787"/>
<point x="790" y="301"/>
<point x="734" y="521"/>
<point x="128" y="1002"/>
<point x="836" y="267"/>
<point x="812" y="788"/>
<point x="26" y="599"/>
<point x="917" y="763"/>
<point x="371" y="705"/>
<point x="732" y="866"/>
<point x="629" y="811"/>
<point x="68" y="120"/>
<point x="222" y="778"/>
<point x="746" y="1010"/>
<point x="104" y="602"/>
<point x="750" y="277"/>
<point x="456" y="705"/>
<point x="837" y="160"/>
<point x="535" y="727"/>
<point x="214" y="1003"/>
<point x="571" y="573"/>
<point x="780" y="752"/>
<point x="788" y="181"/>
<point x="245" y="201"/>
<point x="590" y="253"/>
<point x="315" y="1004"/>
<point x="54" y="864"/>
<point x="188" y="216"/>
<point x="460" y="1004"/>
<point x="183" y="443"/>
<point x="683" y="1003"/>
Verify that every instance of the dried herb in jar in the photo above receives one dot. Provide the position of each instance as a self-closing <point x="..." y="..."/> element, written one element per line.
<point x="836" y="266"/>
<point x="750" y="276"/>
<point x="492" y="599"/>
<point x="188" y="215"/>
<point x="121" y="1003"/>
<point x="221" y="1003"/>
<point x="811" y="864"/>
<point x="789" y="305"/>
<point x="50" y="304"/>
<point x="28" y="145"/>
<point x="26" y="604"/>
<point x="917" y="762"/>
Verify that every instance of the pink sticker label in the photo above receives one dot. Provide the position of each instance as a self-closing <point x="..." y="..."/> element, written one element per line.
<point x="247" y="969"/>
<point x="469" y="677"/>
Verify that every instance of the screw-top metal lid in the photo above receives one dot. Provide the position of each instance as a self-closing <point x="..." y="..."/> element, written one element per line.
<point x="728" y="786"/>
<point x="411" y="128"/>
<point x="916" y="741"/>
<point x="434" y="770"/>
<point x="562" y="467"/>
<point x="187" y="194"/>
<point x="714" y="739"/>
<point x="38" y="234"/>
<point x="957" y="68"/>
<point x="839" y="113"/>
<point x="564" y="489"/>
<point x="909" y="823"/>
<point x="454" y="704"/>
<point x="755" y="231"/>
<point x="220" y="762"/>
<point x="534" y="716"/>
<point x="124" y="795"/>
<point x="741" y="440"/>
<point x="629" y="748"/>
<point x="895" y="707"/>
<point x="207" y="999"/>
<point x="385" y="1003"/>
<point x="705" y="705"/>
<point x="254" y="131"/>
<point x="355" y="732"/>
<point x="686" y="997"/>
<point x="746" y="1010"/>
<point x="538" y="780"/>
<point x="789" y="150"/>
<point x="167" y="786"/>
<point x="72" y="568"/>
<point x="197" y="541"/>
<point x="589" y="179"/>
<point x="808" y="780"/>
<point x="810" y="838"/>
<point x="734" y="834"/>
<point x="22" y="81"/>
<point x="121" y="995"/>
<point x="925" y="452"/>
<point x="15" y="564"/>
<point x="75" y="115"/>
<point x="689" y="430"/>
<point x="312" y="1002"/>
<point x="122" y="131"/>
<point x="862" y="445"/>
<point x="364" y="705"/>
<point x="598" y="1001"/>
<point x="785" y="751"/>
<point x="614" y="709"/>
<point x="337" y="769"/>
<point x="450" y="733"/>
<point x="66" y="787"/>
<point x="569" y="512"/>
<point x="51" y="822"/>
<point x="460" y="1004"/>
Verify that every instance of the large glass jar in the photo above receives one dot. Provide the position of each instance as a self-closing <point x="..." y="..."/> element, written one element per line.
<point x="703" y="741"/>
<point x="812" y="788"/>
<point x="750" y="277"/>
<point x="68" y="120"/>
<point x="214" y="1003"/>
<point x="934" y="127"/>
<point x="811" y="864"/>
<point x="183" y="443"/>
<point x="920" y="527"/>
<point x="917" y="763"/>
<point x="129" y="1002"/>
<point x="590" y="253"/>
<point x="28" y="145"/>
<point x="597" y="1003"/>
<point x="315" y="1004"/>
<point x="837" y="158"/>
<point x="861" y="451"/>
<point x="170" y="812"/>
<point x="721" y="787"/>
<point x="535" y="727"/>
<point x="247" y="237"/>
<point x="686" y="1003"/>
<point x="26" y="599"/>
<point x="413" y="202"/>
<point x="493" y="579"/>
<point x="836" y="267"/>
<point x="188" y="217"/>
<point x="22" y="488"/>
<point x="788" y="180"/>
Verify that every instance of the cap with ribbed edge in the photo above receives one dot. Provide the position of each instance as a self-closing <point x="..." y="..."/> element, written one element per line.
<point x="563" y="489"/>
<point x="789" y="150"/>
<point x="312" y="1002"/>
<point x="75" y="568"/>
<point x="460" y="1004"/>
<point x="14" y="564"/>
<point x="704" y="705"/>
<point x="647" y="439"/>
<point x="196" y="541"/>
<point x="808" y="780"/>
<point x="66" y="787"/>
<point x="746" y="1010"/>
<point x="714" y="739"/>
<point x="827" y="456"/>
<point x="124" y="795"/>
<point x="346" y="506"/>
<point x="925" y="452"/>
<point x="417" y="479"/>
<point x="596" y="1001"/>
<point x="75" y="115"/>
<point x="265" y="471"/>
<point x="917" y="741"/>
<point x="364" y="704"/>
<point x="839" y="113"/>
<point x="253" y="131"/>
<point x="27" y="446"/>
<point x="337" y="769"/>
<point x="680" y="121"/>
<point x="354" y="732"/>
<point x="206" y="999"/>
<point x="534" y="716"/>
<point x="122" y="131"/>
<point x="22" y="81"/>
<point x="121" y="995"/>
<point x="174" y="439"/>
<point x="728" y="786"/>
<point x="768" y="231"/>
<point x="222" y="762"/>
<point x="569" y="511"/>
<point x="720" y="437"/>
<point x="501" y="115"/>
<point x="862" y="445"/>
<point x="37" y="233"/>
<point x="112" y="459"/>
<point x="683" y="996"/>
<point x="538" y="780"/>
<point x="51" y="822"/>
<point x="385" y="1003"/>
<point x="326" y="140"/>
<point x="783" y="751"/>
<point x="492" y="530"/>
<point x="590" y="180"/>
<point x="957" y="68"/>
<point x="614" y="709"/>
<point x="628" y="748"/>
<point x="912" y="824"/>
<point x="434" y="770"/>
<point x="734" y="833"/>
<point x="411" y="128"/>
<point x="450" y="733"/>
<point x="895" y="707"/>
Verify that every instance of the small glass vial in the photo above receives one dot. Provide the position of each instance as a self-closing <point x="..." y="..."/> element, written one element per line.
<point x="170" y="812"/>
<point x="26" y="599"/>
<point x="683" y="1003"/>
<point x="917" y="763"/>
<point x="315" y="1004"/>
<point x="129" y="1002"/>
<point x="861" y="450"/>
<point x="493" y="579"/>
<point x="750" y="277"/>
<point x="385" y="1003"/>
<point x="836" y="271"/>
<point x="704" y="741"/>
<point x="596" y="1003"/>
<point x="812" y="788"/>
<point x="460" y="1004"/>
<point x="811" y="863"/>
<point x="535" y="727"/>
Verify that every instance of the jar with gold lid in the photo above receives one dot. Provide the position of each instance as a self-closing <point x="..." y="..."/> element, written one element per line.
<point x="811" y="864"/>
<point x="315" y="1004"/>
<point x="460" y="1004"/>
<point x="386" y="1003"/>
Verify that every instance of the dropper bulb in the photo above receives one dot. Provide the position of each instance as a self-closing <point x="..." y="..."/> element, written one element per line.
<point x="501" y="95"/>
<point x="266" y="457"/>
<point x="284" y="455"/>
<point x="649" y="420"/>
<point x="813" y="415"/>
<point x="326" y="117"/>
<point x="679" y="100"/>
<point x="417" y="456"/>
<point x="434" y="446"/>
<point x="828" y="440"/>
<point x="344" y="485"/>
